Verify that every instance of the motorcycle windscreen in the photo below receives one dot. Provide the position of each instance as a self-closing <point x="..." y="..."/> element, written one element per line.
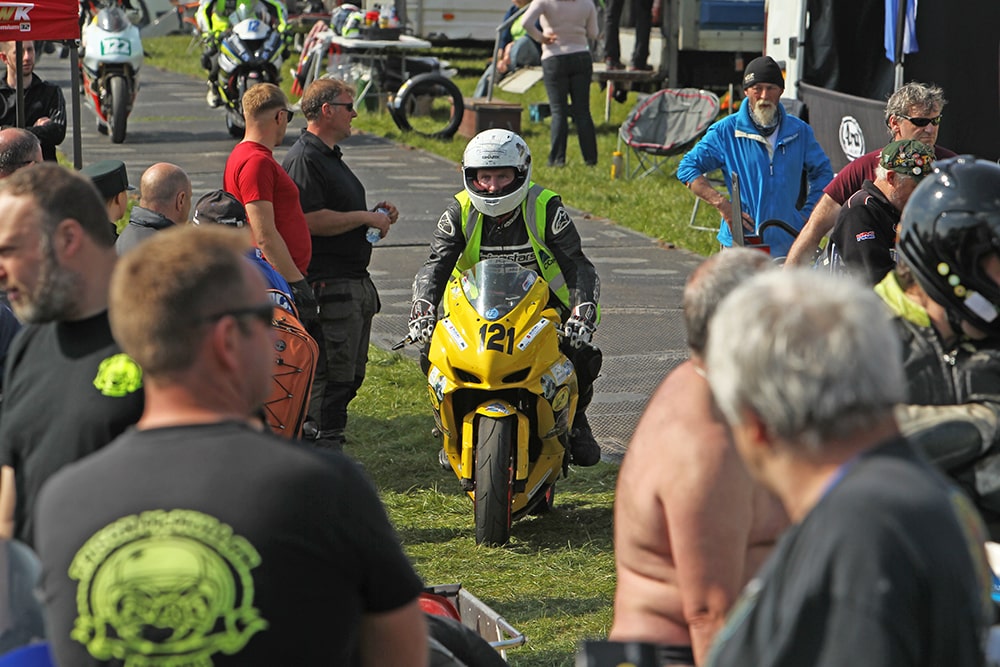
<point x="495" y="286"/>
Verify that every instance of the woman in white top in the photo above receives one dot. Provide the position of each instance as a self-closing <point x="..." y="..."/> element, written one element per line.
<point x="567" y="67"/>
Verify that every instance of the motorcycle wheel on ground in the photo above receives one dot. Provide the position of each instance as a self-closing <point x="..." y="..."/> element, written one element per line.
<point x="118" y="107"/>
<point x="494" y="479"/>
<point x="236" y="131"/>
<point x="428" y="104"/>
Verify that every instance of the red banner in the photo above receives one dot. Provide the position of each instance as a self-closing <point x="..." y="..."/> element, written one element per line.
<point x="51" y="19"/>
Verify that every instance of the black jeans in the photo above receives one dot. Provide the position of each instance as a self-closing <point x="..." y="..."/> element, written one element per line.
<point x="642" y="14"/>
<point x="570" y="75"/>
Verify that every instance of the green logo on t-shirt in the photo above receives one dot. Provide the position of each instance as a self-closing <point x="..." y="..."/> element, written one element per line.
<point x="118" y="376"/>
<point x="165" y="588"/>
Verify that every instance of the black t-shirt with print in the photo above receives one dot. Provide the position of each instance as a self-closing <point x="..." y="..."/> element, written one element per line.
<point x="217" y="542"/>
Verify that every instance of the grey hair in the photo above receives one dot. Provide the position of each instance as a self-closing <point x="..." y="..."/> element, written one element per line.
<point x="17" y="148"/>
<point x="813" y="355"/>
<point x="712" y="280"/>
<point x="913" y="94"/>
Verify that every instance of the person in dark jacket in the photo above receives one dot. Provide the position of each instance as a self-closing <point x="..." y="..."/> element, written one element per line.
<point x="44" y="106"/>
<point x="164" y="201"/>
<point x="945" y="296"/>
<point x="884" y="561"/>
<point x="863" y="242"/>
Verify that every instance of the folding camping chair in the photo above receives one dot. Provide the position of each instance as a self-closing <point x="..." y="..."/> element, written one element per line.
<point x="665" y="123"/>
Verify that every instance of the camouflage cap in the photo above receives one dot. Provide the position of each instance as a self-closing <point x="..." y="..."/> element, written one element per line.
<point x="909" y="157"/>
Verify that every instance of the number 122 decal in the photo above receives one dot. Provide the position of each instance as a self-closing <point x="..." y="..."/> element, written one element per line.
<point x="497" y="337"/>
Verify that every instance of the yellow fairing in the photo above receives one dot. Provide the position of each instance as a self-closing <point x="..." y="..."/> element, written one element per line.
<point x="517" y="351"/>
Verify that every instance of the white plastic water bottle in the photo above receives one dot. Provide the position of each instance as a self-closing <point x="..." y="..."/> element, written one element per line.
<point x="373" y="234"/>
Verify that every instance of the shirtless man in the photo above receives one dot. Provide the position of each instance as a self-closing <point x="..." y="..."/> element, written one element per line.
<point x="691" y="527"/>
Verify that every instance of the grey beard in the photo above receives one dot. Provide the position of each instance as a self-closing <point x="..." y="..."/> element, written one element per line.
<point x="767" y="120"/>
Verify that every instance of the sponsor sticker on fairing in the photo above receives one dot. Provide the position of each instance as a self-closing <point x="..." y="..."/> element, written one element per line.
<point x="454" y="333"/>
<point x="562" y="371"/>
<point x="532" y="333"/>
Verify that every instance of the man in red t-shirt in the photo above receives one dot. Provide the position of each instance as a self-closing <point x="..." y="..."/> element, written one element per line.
<point x="271" y="198"/>
<point x="912" y="112"/>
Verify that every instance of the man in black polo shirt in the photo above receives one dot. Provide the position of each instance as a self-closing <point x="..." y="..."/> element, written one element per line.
<point x="333" y="200"/>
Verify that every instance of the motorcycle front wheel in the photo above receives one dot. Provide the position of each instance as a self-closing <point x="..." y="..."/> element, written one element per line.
<point x="118" y="108"/>
<point x="235" y="131"/>
<point x="494" y="479"/>
<point x="430" y="105"/>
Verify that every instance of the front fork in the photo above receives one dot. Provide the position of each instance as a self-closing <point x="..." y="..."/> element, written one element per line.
<point x="497" y="409"/>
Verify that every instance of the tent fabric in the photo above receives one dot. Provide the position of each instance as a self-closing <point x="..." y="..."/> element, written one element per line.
<point x="41" y="20"/>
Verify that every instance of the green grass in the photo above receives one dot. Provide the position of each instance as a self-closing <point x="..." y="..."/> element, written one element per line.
<point x="658" y="205"/>
<point x="555" y="580"/>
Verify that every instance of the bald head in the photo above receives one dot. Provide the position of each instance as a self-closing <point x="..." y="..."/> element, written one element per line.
<point x="166" y="189"/>
<point x="18" y="148"/>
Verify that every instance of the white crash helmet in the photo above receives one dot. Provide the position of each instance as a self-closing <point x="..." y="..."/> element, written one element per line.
<point x="494" y="149"/>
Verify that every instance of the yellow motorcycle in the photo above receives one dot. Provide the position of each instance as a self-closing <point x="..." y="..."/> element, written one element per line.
<point x="503" y="393"/>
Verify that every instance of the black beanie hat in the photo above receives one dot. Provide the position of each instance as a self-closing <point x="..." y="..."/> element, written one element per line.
<point x="763" y="70"/>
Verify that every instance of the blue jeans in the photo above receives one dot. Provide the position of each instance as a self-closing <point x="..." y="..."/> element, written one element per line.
<point x="570" y="75"/>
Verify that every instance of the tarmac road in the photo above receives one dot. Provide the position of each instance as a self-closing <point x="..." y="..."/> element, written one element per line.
<point x="642" y="331"/>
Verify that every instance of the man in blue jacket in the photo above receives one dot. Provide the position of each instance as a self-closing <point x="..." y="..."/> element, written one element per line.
<point x="768" y="150"/>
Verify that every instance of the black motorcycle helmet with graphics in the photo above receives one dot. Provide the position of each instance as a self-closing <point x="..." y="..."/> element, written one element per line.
<point x="950" y="224"/>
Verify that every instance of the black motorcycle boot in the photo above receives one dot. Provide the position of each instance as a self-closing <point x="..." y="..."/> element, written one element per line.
<point x="583" y="447"/>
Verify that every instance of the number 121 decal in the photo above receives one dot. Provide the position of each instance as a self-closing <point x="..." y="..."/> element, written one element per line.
<point x="497" y="337"/>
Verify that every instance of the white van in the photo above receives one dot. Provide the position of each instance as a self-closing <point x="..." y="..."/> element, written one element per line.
<point x="450" y="20"/>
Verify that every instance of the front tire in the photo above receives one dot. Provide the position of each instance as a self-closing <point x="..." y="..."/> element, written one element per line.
<point x="235" y="131"/>
<point x="494" y="480"/>
<point x="118" y="106"/>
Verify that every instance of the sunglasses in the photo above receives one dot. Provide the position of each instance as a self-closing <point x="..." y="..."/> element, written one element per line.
<point x="263" y="313"/>
<point x="922" y="122"/>
<point x="347" y="105"/>
<point x="288" y="114"/>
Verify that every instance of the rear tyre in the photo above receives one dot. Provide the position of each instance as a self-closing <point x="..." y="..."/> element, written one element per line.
<point x="118" y="107"/>
<point x="430" y="105"/>
<point x="494" y="480"/>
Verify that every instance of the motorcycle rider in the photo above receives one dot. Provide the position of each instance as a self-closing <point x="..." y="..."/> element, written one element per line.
<point x="215" y="17"/>
<point x="945" y="294"/>
<point x="503" y="213"/>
